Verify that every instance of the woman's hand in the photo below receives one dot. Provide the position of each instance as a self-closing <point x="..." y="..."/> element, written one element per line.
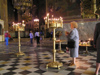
<point x="66" y="33"/>
<point x="66" y="48"/>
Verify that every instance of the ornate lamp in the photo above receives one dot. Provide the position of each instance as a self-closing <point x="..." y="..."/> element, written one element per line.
<point x="54" y="23"/>
<point x="19" y="27"/>
<point x="36" y="23"/>
<point x="27" y="17"/>
<point x="22" y="4"/>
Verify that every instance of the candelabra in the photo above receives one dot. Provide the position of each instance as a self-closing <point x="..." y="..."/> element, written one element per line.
<point x="36" y="23"/>
<point x="19" y="27"/>
<point x="54" y="23"/>
<point x="22" y="4"/>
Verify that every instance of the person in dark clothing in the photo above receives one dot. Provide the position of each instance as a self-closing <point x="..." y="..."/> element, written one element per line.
<point x="37" y="35"/>
<point x="51" y="35"/>
<point x="97" y="46"/>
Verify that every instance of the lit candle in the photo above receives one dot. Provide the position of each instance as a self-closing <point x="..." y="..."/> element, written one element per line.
<point x="47" y="14"/>
<point x="48" y="20"/>
<point x="89" y="40"/>
<point x="79" y="41"/>
<point x="61" y="21"/>
<point x="52" y="16"/>
<point x="86" y="43"/>
<point x="83" y="43"/>
<point x="16" y="27"/>
<point x="13" y="24"/>
<point x="23" y="22"/>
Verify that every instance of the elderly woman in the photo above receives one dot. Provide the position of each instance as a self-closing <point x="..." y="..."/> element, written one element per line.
<point x="75" y="36"/>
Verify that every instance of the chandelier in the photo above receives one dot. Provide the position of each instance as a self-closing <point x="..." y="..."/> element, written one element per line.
<point x="22" y="4"/>
<point x="23" y="7"/>
<point x="27" y="17"/>
<point x="36" y="23"/>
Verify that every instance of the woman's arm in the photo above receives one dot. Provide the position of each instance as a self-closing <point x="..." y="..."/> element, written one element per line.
<point x="66" y="33"/>
<point x="71" y="34"/>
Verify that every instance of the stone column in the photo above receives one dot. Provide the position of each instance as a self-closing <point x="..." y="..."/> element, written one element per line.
<point x="4" y="13"/>
<point x="46" y="7"/>
<point x="94" y="6"/>
<point x="19" y="16"/>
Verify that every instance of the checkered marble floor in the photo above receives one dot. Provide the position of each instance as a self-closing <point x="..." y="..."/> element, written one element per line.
<point x="35" y="56"/>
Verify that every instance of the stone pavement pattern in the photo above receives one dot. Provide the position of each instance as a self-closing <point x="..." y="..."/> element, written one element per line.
<point x="36" y="56"/>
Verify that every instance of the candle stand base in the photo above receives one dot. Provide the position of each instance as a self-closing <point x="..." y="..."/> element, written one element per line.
<point x="54" y="65"/>
<point x="86" y="52"/>
<point x="20" y="54"/>
<point x="60" y="51"/>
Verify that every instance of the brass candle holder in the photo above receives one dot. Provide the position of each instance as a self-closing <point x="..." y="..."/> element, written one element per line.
<point x="59" y="41"/>
<point x="54" y="23"/>
<point x="85" y="44"/>
<point x="19" y="27"/>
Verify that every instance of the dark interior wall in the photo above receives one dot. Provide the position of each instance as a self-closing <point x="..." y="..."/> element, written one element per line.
<point x="39" y="12"/>
<point x="12" y="12"/>
<point x="41" y="9"/>
<point x="64" y="7"/>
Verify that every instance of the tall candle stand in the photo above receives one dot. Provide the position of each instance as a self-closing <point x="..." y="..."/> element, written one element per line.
<point x="54" y="23"/>
<point x="19" y="27"/>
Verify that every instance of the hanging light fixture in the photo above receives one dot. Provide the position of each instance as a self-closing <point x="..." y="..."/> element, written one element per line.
<point x="22" y="4"/>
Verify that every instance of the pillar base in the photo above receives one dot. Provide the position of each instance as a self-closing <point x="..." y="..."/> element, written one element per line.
<point x="86" y="52"/>
<point x="60" y="51"/>
<point x="20" y="54"/>
<point x="54" y="65"/>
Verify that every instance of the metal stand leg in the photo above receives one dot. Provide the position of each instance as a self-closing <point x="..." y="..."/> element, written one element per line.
<point x="54" y="64"/>
<point x="60" y="51"/>
<point x="20" y="53"/>
<point x="86" y="50"/>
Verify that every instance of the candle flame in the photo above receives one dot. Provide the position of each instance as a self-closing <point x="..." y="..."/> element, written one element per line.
<point x="47" y="14"/>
